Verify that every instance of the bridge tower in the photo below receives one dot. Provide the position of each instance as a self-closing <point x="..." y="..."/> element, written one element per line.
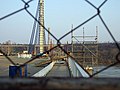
<point x="42" y="32"/>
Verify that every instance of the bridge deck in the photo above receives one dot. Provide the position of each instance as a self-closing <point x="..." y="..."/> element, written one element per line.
<point x="60" y="69"/>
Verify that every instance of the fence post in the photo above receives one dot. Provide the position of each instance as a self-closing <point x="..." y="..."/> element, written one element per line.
<point x="17" y="71"/>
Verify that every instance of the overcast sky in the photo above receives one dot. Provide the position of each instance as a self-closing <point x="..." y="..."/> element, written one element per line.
<point x="59" y="16"/>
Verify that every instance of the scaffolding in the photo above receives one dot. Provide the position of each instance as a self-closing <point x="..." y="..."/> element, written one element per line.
<point x="85" y="48"/>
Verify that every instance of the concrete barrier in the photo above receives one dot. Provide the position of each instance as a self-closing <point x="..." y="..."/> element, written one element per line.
<point x="76" y="69"/>
<point x="45" y="70"/>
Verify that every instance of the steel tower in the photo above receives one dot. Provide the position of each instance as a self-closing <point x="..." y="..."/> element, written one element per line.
<point x="42" y="32"/>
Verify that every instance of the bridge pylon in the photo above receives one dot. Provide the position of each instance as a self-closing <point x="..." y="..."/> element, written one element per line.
<point x="38" y="32"/>
<point x="42" y="32"/>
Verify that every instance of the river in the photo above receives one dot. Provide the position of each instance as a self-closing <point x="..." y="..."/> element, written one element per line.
<point x="110" y="72"/>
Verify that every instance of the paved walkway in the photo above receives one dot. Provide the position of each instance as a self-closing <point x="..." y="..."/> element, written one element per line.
<point x="59" y="70"/>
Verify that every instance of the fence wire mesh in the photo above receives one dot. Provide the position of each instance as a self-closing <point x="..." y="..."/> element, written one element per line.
<point x="58" y="40"/>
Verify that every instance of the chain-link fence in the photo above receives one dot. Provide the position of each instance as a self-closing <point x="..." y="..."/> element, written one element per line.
<point x="58" y="40"/>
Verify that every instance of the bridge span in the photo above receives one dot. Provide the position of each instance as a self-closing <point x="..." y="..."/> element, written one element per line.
<point x="60" y="69"/>
<point x="68" y="68"/>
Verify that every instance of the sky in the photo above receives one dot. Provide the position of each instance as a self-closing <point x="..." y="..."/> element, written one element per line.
<point x="59" y="16"/>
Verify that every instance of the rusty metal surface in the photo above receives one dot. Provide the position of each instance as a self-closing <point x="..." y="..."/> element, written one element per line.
<point x="59" y="83"/>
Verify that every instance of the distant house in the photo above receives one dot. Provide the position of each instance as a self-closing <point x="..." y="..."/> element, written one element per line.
<point x="1" y="54"/>
<point x="24" y="55"/>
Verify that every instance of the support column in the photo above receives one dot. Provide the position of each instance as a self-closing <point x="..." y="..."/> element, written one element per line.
<point x="48" y="39"/>
<point x="42" y="32"/>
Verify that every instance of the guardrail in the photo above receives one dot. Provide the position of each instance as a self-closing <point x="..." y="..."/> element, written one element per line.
<point x="45" y="70"/>
<point x="76" y="69"/>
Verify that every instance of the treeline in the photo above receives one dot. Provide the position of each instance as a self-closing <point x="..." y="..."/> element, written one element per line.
<point x="107" y="53"/>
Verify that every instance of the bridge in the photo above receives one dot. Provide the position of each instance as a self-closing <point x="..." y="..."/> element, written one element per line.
<point x="60" y="61"/>
<point x="68" y="68"/>
<point x="68" y="60"/>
